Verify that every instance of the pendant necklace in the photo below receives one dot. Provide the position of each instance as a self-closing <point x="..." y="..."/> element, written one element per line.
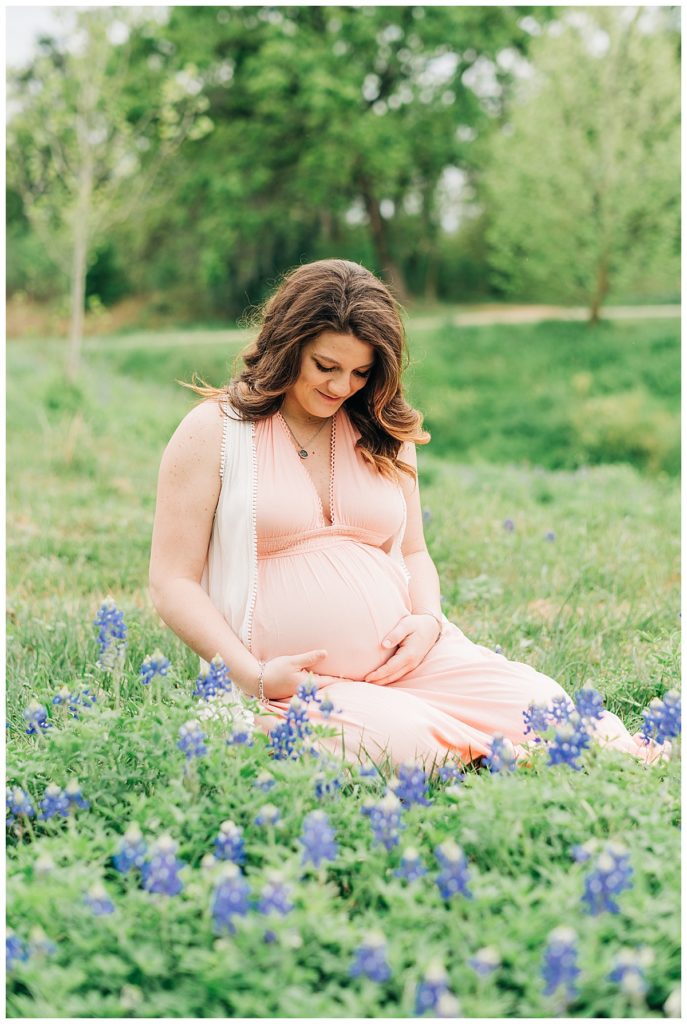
<point x="302" y="448"/>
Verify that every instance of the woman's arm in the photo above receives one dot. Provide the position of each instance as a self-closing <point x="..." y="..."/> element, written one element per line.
<point x="424" y="579"/>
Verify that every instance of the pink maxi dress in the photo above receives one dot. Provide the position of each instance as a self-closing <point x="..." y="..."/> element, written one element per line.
<point x="335" y="587"/>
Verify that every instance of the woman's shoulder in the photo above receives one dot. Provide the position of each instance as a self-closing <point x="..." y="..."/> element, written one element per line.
<point x="198" y="437"/>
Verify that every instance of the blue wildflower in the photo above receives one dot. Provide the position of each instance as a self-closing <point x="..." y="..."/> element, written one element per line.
<point x="267" y="815"/>
<point x="74" y="795"/>
<point x="560" y="710"/>
<point x="241" y="734"/>
<point x="229" y="844"/>
<point x="508" y="525"/>
<point x="326" y="707"/>
<point x="307" y="691"/>
<point x="318" y="838"/>
<point x="19" y="804"/>
<point x="485" y="961"/>
<point x="501" y="756"/>
<point x="368" y="771"/>
<point x="411" y="867"/>
<point x="265" y="781"/>
<point x="611" y="874"/>
<point x="112" y="632"/>
<point x="628" y="971"/>
<point x="231" y="898"/>
<point x="370" y="959"/>
<point x="54" y="803"/>
<point x="454" y="876"/>
<point x="132" y="850"/>
<point x="15" y="950"/>
<point x="560" y="962"/>
<point x="385" y="819"/>
<point x="325" y="787"/>
<point x="36" y="715"/>
<point x="98" y="901"/>
<point x="430" y="989"/>
<point x="81" y="697"/>
<point x="412" y="786"/>
<point x="161" y="871"/>
<point x="275" y="896"/>
<point x="192" y="739"/>
<point x="536" y="719"/>
<point x="40" y="944"/>
<point x="498" y="649"/>
<point x="214" y="680"/>
<point x="583" y="851"/>
<point x="662" y="719"/>
<point x="570" y="740"/>
<point x="451" y="773"/>
<point x="588" y="702"/>
<point x="549" y="535"/>
<point x="153" y="665"/>
<point x="282" y="741"/>
<point x="426" y="515"/>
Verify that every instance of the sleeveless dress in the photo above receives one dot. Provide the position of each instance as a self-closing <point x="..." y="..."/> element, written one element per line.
<point x="335" y="587"/>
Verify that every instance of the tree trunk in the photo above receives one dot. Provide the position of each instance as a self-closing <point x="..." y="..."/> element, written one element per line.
<point x="392" y="272"/>
<point x="600" y="289"/>
<point x="79" y="269"/>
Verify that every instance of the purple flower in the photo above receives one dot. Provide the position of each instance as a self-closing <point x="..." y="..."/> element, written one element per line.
<point x="19" y="804"/>
<point x="368" y="771"/>
<point x="265" y="781"/>
<point x="385" y="819"/>
<point x="498" y="649"/>
<point x="132" y="850"/>
<point x="451" y="773"/>
<point x="275" y="896"/>
<point x="307" y="691"/>
<point x="153" y="665"/>
<point x="426" y="515"/>
<point x="430" y="989"/>
<point x="229" y="843"/>
<point x="111" y="635"/>
<point x="370" y="959"/>
<point x="98" y="901"/>
<point x="662" y="719"/>
<point x="241" y="734"/>
<point x="454" y="877"/>
<point x="549" y="535"/>
<point x="582" y="852"/>
<point x="611" y="874"/>
<point x="501" y="757"/>
<point x="318" y="838"/>
<point x="325" y="787"/>
<point x="192" y="739"/>
<point x="536" y="719"/>
<point x="267" y="815"/>
<point x="230" y="899"/>
<point x="560" y="962"/>
<point x="213" y="681"/>
<point x="567" y="745"/>
<point x="561" y="709"/>
<point x="36" y="715"/>
<point x="509" y="525"/>
<point x="589" y="702"/>
<point x="74" y="796"/>
<point x="411" y="787"/>
<point x="485" y="961"/>
<point x="411" y="867"/>
<point x="54" y="803"/>
<point x="15" y="949"/>
<point x="628" y="971"/>
<point x="160" y="873"/>
<point x="326" y="707"/>
<point x="80" y="697"/>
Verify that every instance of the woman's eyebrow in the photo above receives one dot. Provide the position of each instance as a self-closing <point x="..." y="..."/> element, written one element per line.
<point x="330" y="360"/>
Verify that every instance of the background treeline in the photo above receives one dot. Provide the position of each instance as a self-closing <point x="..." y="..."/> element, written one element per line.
<point x="463" y="153"/>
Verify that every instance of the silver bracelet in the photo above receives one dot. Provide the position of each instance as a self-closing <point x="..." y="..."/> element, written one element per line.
<point x="441" y="624"/>
<point x="261" y="691"/>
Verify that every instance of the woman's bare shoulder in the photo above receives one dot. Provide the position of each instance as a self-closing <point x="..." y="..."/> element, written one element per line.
<point x="197" y="440"/>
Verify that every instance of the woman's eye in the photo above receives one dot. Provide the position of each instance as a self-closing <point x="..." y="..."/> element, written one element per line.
<point x="330" y="369"/>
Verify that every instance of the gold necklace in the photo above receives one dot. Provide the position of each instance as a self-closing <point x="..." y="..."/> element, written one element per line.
<point x="302" y="448"/>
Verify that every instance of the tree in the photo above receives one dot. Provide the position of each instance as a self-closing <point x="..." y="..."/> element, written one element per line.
<point x="84" y="145"/>
<point x="582" y="184"/>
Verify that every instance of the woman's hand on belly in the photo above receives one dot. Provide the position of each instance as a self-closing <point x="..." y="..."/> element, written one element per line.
<point x="413" y="636"/>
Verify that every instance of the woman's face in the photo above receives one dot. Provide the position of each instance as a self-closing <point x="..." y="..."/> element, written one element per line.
<point x="333" y="367"/>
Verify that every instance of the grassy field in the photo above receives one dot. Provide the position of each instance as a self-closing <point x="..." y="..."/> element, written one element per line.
<point x="553" y="426"/>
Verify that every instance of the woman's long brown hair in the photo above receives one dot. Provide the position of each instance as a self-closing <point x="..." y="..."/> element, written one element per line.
<point x="341" y="296"/>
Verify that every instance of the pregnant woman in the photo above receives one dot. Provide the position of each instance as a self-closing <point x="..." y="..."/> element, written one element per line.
<point x="288" y="538"/>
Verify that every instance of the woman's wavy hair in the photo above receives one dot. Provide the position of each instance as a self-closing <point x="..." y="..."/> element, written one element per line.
<point x="330" y="295"/>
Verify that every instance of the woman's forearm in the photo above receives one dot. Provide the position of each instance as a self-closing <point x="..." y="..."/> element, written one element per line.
<point x="188" y="611"/>
<point x="425" y="593"/>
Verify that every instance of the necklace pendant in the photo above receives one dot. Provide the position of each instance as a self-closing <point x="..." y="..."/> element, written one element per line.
<point x="303" y="454"/>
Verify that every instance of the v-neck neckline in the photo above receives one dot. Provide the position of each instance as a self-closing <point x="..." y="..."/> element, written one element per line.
<point x="332" y="461"/>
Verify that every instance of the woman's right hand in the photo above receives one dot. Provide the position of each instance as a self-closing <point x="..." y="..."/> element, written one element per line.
<point x="283" y="675"/>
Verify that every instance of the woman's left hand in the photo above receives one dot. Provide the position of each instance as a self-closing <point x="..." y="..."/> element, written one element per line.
<point x="414" y="635"/>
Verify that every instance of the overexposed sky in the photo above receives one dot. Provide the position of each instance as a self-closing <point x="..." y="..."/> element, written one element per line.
<point x="23" y="26"/>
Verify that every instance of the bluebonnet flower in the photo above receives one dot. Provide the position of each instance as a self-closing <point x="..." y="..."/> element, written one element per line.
<point x="485" y="961"/>
<point x="98" y="901"/>
<point x="297" y="715"/>
<point x="325" y="787"/>
<point x="451" y="773"/>
<point x="536" y="719"/>
<point x="448" y="1007"/>
<point x="611" y="874"/>
<point x="282" y="741"/>
<point x="36" y="715"/>
<point x="54" y="802"/>
<point x="628" y="971"/>
<point x="307" y="691"/>
<point x="15" y="949"/>
<point x="549" y="535"/>
<point x="412" y="786"/>
<point x="370" y="958"/>
<point x="501" y="756"/>
<point x="275" y="896"/>
<point x="454" y="876"/>
<point x="368" y="771"/>
<point x="229" y="844"/>
<point x="560" y="709"/>
<point x="39" y="943"/>
<point x="588" y="702"/>
<point x="661" y="720"/>
<point x="560" y="962"/>
<point x="267" y="815"/>
<point x="429" y="990"/>
<point x="74" y="795"/>
<point x="385" y="819"/>
<point x="583" y="851"/>
<point x="230" y="899"/>
<point x="241" y="734"/>
<point x="570" y="740"/>
<point x="19" y="804"/>
<point x="326" y="707"/>
<point x="192" y="739"/>
<point x="112" y="631"/>
<point x="411" y="867"/>
<point x="318" y="838"/>
<point x="214" y="681"/>
<point x="265" y="781"/>
<point x="161" y="871"/>
<point x="509" y="525"/>
<point x="43" y="865"/>
<point x="81" y="697"/>
<point x="498" y="649"/>
<point x="132" y="850"/>
<point x="154" y="664"/>
<point x="426" y="515"/>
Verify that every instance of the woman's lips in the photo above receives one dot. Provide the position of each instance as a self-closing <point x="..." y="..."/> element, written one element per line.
<point x="327" y="398"/>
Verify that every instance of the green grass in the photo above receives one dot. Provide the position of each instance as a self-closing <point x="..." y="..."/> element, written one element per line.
<point x="601" y="601"/>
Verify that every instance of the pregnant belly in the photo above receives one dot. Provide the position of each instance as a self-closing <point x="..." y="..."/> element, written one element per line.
<point x="343" y="598"/>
